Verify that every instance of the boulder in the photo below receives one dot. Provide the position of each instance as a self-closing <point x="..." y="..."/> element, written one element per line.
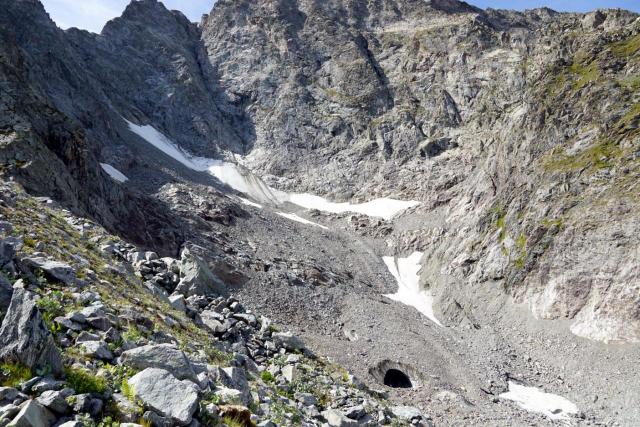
<point x="33" y="414"/>
<point x="163" y="393"/>
<point x="196" y="278"/>
<point x="290" y="373"/>
<point x="214" y="321"/>
<point x="56" y="401"/>
<point x="336" y="418"/>
<point x="163" y="356"/>
<point x="96" y="349"/>
<point x="288" y="341"/>
<point x="55" y="270"/>
<point x="236" y="378"/>
<point x="177" y="301"/>
<point x="25" y="338"/>
<point x="87" y="404"/>
<point x="406" y="412"/>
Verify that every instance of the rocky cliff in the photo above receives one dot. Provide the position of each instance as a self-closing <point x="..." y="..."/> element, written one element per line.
<point x="515" y="134"/>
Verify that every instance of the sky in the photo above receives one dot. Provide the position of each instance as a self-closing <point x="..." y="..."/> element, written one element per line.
<point x="93" y="14"/>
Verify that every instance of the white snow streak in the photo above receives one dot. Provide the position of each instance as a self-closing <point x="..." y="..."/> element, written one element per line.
<point x="249" y="203"/>
<point x="114" y="173"/>
<point x="297" y="218"/>
<point x="383" y="208"/>
<point x="242" y="180"/>
<point x="534" y="400"/>
<point x="405" y="271"/>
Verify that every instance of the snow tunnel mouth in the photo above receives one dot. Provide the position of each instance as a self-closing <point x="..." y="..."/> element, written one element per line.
<point x="395" y="375"/>
<point x="395" y="378"/>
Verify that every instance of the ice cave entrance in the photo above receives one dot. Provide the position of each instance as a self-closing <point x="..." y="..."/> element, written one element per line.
<point x="397" y="379"/>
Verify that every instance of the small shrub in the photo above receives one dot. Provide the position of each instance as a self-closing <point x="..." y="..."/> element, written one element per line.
<point x="267" y="377"/>
<point x="128" y="391"/>
<point x="13" y="374"/>
<point x="83" y="381"/>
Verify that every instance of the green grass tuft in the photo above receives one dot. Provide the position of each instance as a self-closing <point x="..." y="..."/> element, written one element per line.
<point x="83" y="381"/>
<point x="267" y="377"/>
<point x="13" y="374"/>
<point x="626" y="48"/>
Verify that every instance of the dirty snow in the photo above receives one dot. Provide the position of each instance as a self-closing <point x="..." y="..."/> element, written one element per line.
<point x="249" y="202"/>
<point x="241" y="179"/>
<point x="297" y="218"/>
<point x="114" y="173"/>
<point x="405" y="271"/>
<point x="533" y="399"/>
<point x="382" y="208"/>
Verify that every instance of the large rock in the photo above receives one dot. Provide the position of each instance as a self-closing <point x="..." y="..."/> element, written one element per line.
<point x="196" y="278"/>
<point x="165" y="394"/>
<point x="56" y="401"/>
<point x="33" y="414"/>
<point x="163" y="356"/>
<point x="406" y="412"/>
<point x="336" y="418"/>
<point x="55" y="270"/>
<point x="96" y="349"/>
<point x="288" y="341"/>
<point x="25" y="338"/>
<point x="235" y="378"/>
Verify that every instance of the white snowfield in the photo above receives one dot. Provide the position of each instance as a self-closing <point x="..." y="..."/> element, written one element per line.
<point x="249" y="203"/>
<point x="405" y="271"/>
<point x="114" y="173"/>
<point x="294" y="217"/>
<point x="242" y="180"/>
<point x="533" y="399"/>
<point x="382" y="208"/>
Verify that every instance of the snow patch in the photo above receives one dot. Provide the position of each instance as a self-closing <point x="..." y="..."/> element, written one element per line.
<point x="297" y="218"/>
<point x="249" y="202"/>
<point x="242" y="180"/>
<point x="533" y="399"/>
<point x="114" y="173"/>
<point x="382" y="208"/>
<point x="405" y="271"/>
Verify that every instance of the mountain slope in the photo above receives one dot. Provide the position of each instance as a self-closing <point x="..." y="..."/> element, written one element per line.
<point x="516" y="134"/>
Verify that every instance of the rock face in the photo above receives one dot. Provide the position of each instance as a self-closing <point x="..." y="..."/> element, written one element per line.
<point x="24" y="337"/>
<point x="168" y="396"/>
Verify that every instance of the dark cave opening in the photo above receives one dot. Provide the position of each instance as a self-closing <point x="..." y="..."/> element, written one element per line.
<point x="397" y="379"/>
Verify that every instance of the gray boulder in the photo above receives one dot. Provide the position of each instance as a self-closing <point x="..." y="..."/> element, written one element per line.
<point x="25" y="338"/>
<point x="196" y="278"/>
<point x="288" y="341"/>
<point x="53" y="269"/>
<point x="406" y="412"/>
<point x="177" y="301"/>
<point x="33" y="414"/>
<point x="96" y="349"/>
<point x="163" y="356"/>
<point x="336" y="418"/>
<point x="163" y="393"/>
<point x="235" y="378"/>
<point x="56" y="401"/>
